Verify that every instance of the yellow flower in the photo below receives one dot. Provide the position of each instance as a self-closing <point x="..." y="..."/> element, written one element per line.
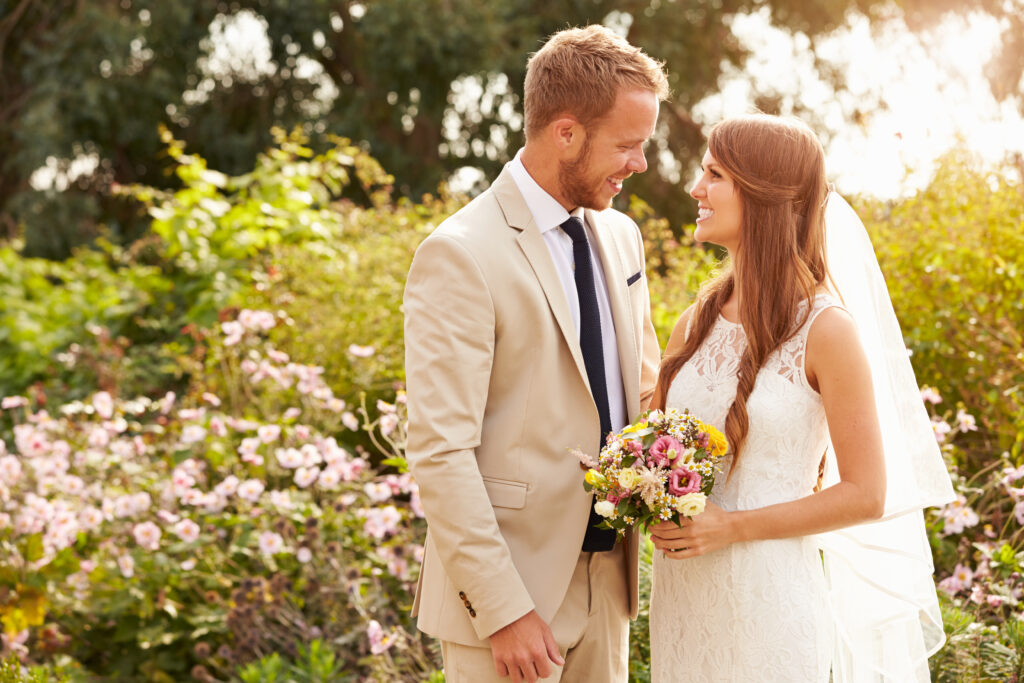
<point x="595" y="478"/>
<point x="716" y="441"/>
<point x="639" y="426"/>
<point x="628" y="478"/>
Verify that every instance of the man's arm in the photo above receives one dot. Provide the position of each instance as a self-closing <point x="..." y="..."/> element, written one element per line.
<point x="449" y="347"/>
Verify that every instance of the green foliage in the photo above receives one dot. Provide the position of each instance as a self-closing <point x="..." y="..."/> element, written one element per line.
<point x="315" y="663"/>
<point x="953" y="257"/>
<point x="349" y="292"/>
<point x="447" y="95"/>
<point x="639" y="629"/>
<point x="114" y="317"/>
<point x="89" y="306"/>
<point x="12" y="671"/>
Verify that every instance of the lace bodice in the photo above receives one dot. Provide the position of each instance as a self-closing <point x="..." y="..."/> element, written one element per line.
<point x="754" y="610"/>
<point x="788" y="433"/>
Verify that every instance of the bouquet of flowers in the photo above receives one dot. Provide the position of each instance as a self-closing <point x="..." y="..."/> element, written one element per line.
<point x="661" y="466"/>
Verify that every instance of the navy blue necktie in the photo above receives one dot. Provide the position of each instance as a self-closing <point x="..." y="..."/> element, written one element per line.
<point x="596" y="540"/>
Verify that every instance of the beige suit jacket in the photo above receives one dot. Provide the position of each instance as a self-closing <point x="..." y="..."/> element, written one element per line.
<point x="497" y="397"/>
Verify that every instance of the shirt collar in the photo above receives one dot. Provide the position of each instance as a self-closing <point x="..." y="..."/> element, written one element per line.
<point x="547" y="213"/>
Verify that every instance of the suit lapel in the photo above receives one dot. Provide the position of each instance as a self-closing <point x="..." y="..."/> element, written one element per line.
<point x="625" y="333"/>
<point x="518" y="216"/>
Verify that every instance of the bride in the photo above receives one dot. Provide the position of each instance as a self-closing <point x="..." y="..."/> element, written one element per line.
<point x="790" y="352"/>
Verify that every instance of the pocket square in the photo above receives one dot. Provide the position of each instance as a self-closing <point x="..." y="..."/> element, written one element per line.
<point x="633" y="278"/>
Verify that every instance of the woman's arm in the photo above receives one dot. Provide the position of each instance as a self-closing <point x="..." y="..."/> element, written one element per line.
<point x="837" y="367"/>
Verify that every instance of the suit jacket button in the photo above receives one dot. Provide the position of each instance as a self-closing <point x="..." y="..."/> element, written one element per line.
<point x="462" y="596"/>
<point x="584" y="467"/>
<point x="472" y="612"/>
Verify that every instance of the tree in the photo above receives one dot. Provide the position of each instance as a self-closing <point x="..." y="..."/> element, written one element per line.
<point x="429" y="85"/>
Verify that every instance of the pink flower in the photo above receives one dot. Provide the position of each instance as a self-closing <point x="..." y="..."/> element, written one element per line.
<point x="268" y="433"/>
<point x="635" y="447"/>
<point x="233" y="332"/>
<point x="950" y="585"/>
<point x="682" y="481"/>
<point x="613" y="499"/>
<point x="379" y="641"/>
<point x="270" y="543"/>
<point x="147" y="535"/>
<point x="250" y="490"/>
<point x="187" y="530"/>
<point x="305" y="476"/>
<point x="964" y="575"/>
<point x="127" y="566"/>
<point x="664" y="450"/>
<point x="104" y="404"/>
<point x="361" y="351"/>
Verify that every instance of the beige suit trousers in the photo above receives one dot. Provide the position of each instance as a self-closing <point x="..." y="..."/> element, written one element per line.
<point x="591" y="628"/>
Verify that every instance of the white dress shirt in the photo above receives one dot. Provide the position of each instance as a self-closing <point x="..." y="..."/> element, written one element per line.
<point x="549" y="215"/>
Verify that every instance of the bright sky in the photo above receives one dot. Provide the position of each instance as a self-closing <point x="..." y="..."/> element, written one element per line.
<point x="933" y="90"/>
<point x="919" y="94"/>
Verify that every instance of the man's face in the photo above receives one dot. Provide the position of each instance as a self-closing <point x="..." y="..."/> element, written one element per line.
<point x="612" y="151"/>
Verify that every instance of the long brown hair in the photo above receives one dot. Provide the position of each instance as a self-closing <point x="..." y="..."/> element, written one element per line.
<point x="778" y="168"/>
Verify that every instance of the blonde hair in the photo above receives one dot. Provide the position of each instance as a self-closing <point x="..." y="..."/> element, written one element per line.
<point x="580" y="71"/>
<point x="778" y="167"/>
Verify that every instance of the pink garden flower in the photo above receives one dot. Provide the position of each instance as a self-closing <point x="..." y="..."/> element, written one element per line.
<point x="682" y="481"/>
<point x="379" y="641"/>
<point x="377" y="491"/>
<point x="388" y="423"/>
<point x="361" y="351"/>
<point x="270" y="543"/>
<point x="187" y="530"/>
<point x="233" y="331"/>
<point x="103" y="404"/>
<point x="250" y="490"/>
<point x="10" y="470"/>
<point x="268" y="433"/>
<point x="664" y="450"/>
<point x="289" y="458"/>
<point x="147" y="535"/>
<point x="305" y="476"/>
<point x="329" y="478"/>
<point x="965" y="422"/>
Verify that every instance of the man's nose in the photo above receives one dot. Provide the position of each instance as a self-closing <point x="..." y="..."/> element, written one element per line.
<point x="638" y="162"/>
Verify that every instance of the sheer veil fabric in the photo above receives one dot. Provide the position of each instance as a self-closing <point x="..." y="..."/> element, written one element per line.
<point x="879" y="575"/>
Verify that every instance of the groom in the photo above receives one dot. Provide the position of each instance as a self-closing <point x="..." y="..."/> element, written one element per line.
<point x="528" y="333"/>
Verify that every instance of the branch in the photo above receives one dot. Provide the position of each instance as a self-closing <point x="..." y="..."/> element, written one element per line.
<point x="7" y="24"/>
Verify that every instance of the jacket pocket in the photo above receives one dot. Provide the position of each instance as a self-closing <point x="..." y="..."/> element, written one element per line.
<point x="505" y="493"/>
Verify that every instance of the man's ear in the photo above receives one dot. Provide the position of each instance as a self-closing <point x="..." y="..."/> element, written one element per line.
<point x="567" y="134"/>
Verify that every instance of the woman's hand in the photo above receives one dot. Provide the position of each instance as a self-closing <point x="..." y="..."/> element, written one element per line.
<point x="710" y="530"/>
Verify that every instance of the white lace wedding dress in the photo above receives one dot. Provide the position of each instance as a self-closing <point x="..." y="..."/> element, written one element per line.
<point x="755" y="611"/>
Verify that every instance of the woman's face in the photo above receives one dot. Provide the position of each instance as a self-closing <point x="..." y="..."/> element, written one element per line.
<point x="718" y="205"/>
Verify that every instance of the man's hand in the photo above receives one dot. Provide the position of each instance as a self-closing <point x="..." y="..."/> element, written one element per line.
<point x="525" y="649"/>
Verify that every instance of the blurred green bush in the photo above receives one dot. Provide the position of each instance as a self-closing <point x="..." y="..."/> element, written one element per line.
<point x="953" y="256"/>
